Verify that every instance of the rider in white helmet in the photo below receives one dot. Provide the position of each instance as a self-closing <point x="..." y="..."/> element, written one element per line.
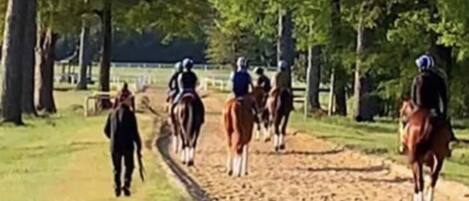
<point x="281" y="79"/>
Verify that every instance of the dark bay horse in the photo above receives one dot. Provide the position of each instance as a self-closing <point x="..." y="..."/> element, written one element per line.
<point x="187" y="127"/>
<point x="426" y="142"/>
<point x="280" y="104"/>
<point x="260" y="98"/>
<point x="238" y="119"/>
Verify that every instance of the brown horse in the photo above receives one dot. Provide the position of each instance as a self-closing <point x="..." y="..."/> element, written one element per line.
<point x="187" y="124"/>
<point x="426" y="142"/>
<point x="238" y="123"/>
<point x="260" y="98"/>
<point x="280" y="104"/>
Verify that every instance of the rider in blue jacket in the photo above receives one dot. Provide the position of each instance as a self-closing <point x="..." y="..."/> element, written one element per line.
<point x="241" y="79"/>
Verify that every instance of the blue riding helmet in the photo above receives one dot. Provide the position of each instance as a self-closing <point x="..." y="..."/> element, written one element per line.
<point x="187" y="63"/>
<point x="178" y="66"/>
<point x="242" y="63"/>
<point x="282" y="65"/>
<point x="425" y="62"/>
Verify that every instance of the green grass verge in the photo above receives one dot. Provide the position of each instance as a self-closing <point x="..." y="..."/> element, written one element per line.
<point x="66" y="157"/>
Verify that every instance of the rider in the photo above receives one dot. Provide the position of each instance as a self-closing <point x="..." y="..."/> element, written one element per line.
<point x="281" y="79"/>
<point x="173" y="83"/>
<point x="429" y="90"/>
<point x="262" y="80"/>
<point x="187" y="82"/>
<point x="242" y="82"/>
<point x="241" y="79"/>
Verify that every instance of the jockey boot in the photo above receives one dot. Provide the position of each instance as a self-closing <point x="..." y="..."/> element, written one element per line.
<point x="127" y="192"/>
<point x="117" y="192"/>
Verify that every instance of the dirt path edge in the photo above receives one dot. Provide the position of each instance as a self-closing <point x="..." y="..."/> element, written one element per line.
<point x="191" y="190"/>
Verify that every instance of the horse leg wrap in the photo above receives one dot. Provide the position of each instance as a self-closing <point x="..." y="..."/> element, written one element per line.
<point x="430" y="193"/>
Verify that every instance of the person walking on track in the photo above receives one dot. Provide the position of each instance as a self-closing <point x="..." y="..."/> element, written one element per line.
<point x="121" y="128"/>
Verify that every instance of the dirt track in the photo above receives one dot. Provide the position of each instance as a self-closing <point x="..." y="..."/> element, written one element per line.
<point x="310" y="169"/>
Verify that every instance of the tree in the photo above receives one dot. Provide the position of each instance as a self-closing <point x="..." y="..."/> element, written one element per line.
<point x="104" y="71"/>
<point x="285" y="42"/>
<point x="45" y="56"/>
<point x="29" y="60"/>
<point x="85" y="57"/>
<point x="13" y="44"/>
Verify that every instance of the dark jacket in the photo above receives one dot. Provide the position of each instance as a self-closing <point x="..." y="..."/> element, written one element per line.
<point x="121" y="128"/>
<point x="187" y="80"/>
<point x="241" y="83"/>
<point x="173" y="81"/>
<point x="264" y="82"/>
<point x="428" y="89"/>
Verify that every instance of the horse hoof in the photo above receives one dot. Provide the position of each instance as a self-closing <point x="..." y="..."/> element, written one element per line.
<point x="230" y="173"/>
<point x="282" y="147"/>
<point x="276" y="149"/>
<point x="267" y="140"/>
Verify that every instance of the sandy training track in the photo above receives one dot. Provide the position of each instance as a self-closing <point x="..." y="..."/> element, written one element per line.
<point x="309" y="169"/>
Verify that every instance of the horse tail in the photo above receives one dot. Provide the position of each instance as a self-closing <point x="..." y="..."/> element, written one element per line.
<point x="422" y="142"/>
<point x="236" y="116"/>
<point x="186" y="117"/>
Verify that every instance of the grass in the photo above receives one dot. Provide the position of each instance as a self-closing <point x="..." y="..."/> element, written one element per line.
<point x="66" y="157"/>
<point x="379" y="139"/>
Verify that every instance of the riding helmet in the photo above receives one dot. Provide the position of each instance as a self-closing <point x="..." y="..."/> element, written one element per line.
<point x="282" y="65"/>
<point x="259" y="71"/>
<point x="242" y="63"/>
<point x="187" y="63"/>
<point x="425" y="62"/>
<point x="178" y="66"/>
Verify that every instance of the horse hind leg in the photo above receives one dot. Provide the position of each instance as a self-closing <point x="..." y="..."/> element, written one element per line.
<point x="229" y="163"/>
<point x="283" y="132"/>
<point x="244" y="159"/>
<point x="277" y="139"/>
<point x="258" y="132"/>
<point x="418" y="181"/>
<point x="435" y="172"/>
<point x="237" y="165"/>
<point x="266" y="131"/>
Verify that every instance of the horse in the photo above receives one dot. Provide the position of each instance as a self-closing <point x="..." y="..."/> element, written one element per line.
<point x="280" y="105"/>
<point x="187" y="124"/>
<point x="238" y="118"/>
<point x="262" y="123"/>
<point x="426" y="142"/>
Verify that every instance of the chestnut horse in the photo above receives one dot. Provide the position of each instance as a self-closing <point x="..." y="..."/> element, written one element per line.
<point x="426" y="141"/>
<point x="280" y="104"/>
<point x="238" y="121"/>
<point x="187" y="124"/>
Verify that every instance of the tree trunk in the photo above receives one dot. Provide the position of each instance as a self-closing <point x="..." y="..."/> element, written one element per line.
<point x="285" y="42"/>
<point x="13" y="50"/>
<point x="339" y="73"/>
<point x="84" y="59"/>
<point x="29" y="60"/>
<point x="362" y="109"/>
<point x="313" y="77"/>
<point x="340" y="92"/>
<point x="45" y="56"/>
<point x="104" y="73"/>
